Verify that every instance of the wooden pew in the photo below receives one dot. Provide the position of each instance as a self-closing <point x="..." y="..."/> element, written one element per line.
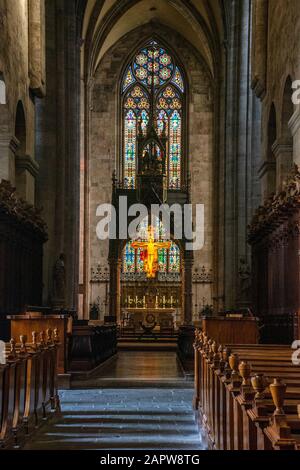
<point x="28" y="387"/>
<point x="235" y="403"/>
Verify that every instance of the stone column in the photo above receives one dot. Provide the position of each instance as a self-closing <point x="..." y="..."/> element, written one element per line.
<point x="242" y="150"/>
<point x="284" y="159"/>
<point x="36" y="46"/>
<point x="188" y="290"/>
<point x="57" y="145"/>
<point x="259" y="47"/>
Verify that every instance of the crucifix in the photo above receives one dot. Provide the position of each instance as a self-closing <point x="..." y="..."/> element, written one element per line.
<point x="150" y="253"/>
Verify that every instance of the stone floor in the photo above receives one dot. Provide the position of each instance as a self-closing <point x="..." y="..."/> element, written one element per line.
<point x="140" y="417"/>
<point x="137" y="368"/>
<point x="122" y="419"/>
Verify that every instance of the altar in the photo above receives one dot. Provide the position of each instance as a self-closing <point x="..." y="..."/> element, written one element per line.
<point x="164" y="319"/>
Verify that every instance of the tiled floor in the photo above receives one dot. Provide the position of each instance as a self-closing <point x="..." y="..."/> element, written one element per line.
<point x="122" y="419"/>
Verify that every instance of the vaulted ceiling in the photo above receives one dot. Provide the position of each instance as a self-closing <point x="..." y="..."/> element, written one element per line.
<point x="201" y="22"/>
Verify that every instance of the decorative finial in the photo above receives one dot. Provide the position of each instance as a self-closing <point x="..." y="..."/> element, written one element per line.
<point x="34" y="339"/>
<point x="23" y="349"/>
<point x="49" y="336"/>
<point x="12" y="353"/>
<point x="42" y="338"/>
<point x="56" y="336"/>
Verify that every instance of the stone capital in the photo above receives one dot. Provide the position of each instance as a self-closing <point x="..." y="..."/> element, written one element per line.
<point x="280" y="148"/>
<point x="27" y="163"/>
<point x="265" y="168"/>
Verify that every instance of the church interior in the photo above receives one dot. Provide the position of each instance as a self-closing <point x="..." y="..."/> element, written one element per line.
<point x="187" y="335"/>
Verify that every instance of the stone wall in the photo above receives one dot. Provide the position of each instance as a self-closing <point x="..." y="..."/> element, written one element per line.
<point x="17" y="116"/>
<point x="278" y="22"/>
<point x="103" y="141"/>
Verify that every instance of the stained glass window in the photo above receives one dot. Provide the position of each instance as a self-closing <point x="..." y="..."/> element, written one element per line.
<point x="128" y="80"/>
<point x="129" y="259"/>
<point x="175" y="150"/>
<point x="174" y="259"/>
<point x="163" y="260"/>
<point x="168" y="260"/>
<point x="130" y="150"/>
<point x="139" y="260"/>
<point x="153" y="61"/>
<point x="153" y="58"/>
<point x="178" y="80"/>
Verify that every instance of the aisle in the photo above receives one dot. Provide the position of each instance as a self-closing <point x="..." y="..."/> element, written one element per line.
<point x="137" y="368"/>
<point x="122" y="419"/>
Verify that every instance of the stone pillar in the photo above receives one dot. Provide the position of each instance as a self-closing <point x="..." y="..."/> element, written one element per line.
<point x="36" y="46"/>
<point x="284" y="159"/>
<point x="188" y="290"/>
<point x="115" y="289"/>
<point x="242" y="118"/>
<point x="57" y="144"/>
<point x="294" y="125"/>
<point x="259" y="46"/>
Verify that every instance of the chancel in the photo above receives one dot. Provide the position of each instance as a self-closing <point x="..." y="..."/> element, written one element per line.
<point x="127" y="321"/>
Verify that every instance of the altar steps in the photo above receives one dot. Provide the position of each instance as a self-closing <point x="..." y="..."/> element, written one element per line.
<point x="135" y="343"/>
<point x="143" y="346"/>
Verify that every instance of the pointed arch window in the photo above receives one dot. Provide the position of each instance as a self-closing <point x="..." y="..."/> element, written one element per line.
<point x="153" y="63"/>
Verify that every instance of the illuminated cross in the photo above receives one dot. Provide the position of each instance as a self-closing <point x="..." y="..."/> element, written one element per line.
<point x="150" y="252"/>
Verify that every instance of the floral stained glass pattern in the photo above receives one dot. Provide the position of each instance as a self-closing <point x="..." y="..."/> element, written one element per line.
<point x="153" y="62"/>
<point x="178" y="80"/>
<point x="128" y="80"/>
<point x="137" y="99"/>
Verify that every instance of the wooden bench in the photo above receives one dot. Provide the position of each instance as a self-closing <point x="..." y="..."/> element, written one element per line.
<point x="246" y="396"/>
<point x="28" y="386"/>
